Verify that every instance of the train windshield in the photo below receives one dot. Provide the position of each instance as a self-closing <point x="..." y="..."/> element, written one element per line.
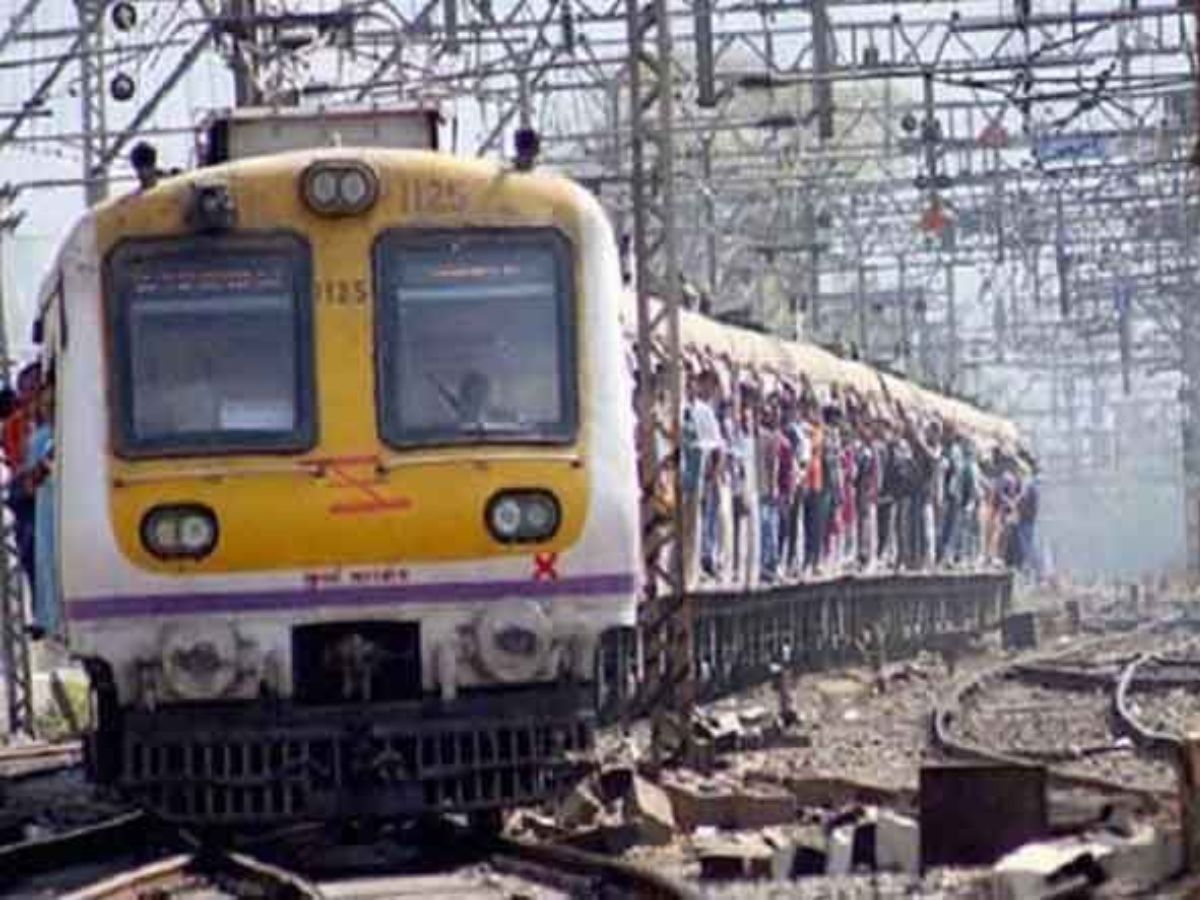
<point x="475" y="330"/>
<point x="212" y="340"/>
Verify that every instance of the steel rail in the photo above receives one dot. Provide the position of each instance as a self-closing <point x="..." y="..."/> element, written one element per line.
<point x="948" y="710"/>
<point x="184" y="871"/>
<point x="1149" y="738"/>
<point x="187" y="863"/>
<point x="40" y="751"/>
<point x="42" y="856"/>
<point x="632" y="880"/>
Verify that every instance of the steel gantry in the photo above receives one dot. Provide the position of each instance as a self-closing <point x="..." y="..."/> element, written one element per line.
<point x="14" y="645"/>
<point x="665" y="619"/>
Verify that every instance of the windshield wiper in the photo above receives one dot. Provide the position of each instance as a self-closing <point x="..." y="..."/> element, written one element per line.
<point x="486" y="428"/>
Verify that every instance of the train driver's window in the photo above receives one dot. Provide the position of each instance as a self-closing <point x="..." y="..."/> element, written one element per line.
<point x="475" y="333"/>
<point x="213" y="345"/>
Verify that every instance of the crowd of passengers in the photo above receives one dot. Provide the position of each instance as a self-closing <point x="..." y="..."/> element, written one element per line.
<point x="27" y="439"/>
<point x="781" y="484"/>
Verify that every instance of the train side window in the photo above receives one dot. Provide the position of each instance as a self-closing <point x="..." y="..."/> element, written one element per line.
<point x="212" y="345"/>
<point x="476" y="336"/>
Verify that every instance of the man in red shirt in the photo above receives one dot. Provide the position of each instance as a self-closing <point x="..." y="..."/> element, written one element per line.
<point x="16" y="430"/>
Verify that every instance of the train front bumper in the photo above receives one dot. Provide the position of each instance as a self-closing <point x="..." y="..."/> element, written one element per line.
<point x="242" y="763"/>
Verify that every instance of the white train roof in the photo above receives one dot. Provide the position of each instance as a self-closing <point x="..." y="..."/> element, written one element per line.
<point x="774" y="356"/>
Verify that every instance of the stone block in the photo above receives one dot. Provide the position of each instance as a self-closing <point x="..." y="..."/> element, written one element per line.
<point x="839" y="859"/>
<point x="697" y="803"/>
<point x="897" y="843"/>
<point x="542" y="828"/>
<point x="649" y="807"/>
<point x="799" y="852"/>
<point x="831" y="792"/>
<point x="609" y="836"/>
<point x="755" y="716"/>
<point x="724" y="803"/>
<point x="1049" y="868"/>
<point x="726" y="731"/>
<point x="731" y="860"/>
<point x="1020" y="631"/>
<point x="580" y="808"/>
<point x="1143" y="856"/>
<point x="761" y="806"/>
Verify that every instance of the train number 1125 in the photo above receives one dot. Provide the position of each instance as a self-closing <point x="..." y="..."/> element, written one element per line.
<point x="342" y="291"/>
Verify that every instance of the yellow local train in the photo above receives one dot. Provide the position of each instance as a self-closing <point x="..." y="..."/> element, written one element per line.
<point x="346" y="480"/>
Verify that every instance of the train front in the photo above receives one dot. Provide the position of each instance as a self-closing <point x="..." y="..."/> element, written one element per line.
<point x="347" y="484"/>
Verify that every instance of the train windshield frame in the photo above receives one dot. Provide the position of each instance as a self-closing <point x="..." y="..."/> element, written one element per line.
<point x="475" y="336"/>
<point x="200" y="359"/>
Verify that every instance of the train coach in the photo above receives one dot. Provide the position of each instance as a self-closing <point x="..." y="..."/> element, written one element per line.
<point x="346" y="482"/>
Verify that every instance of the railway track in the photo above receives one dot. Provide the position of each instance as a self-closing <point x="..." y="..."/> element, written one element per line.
<point x="38" y="758"/>
<point x="135" y="856"/>
<point x="1164" y="684"/>
<point x="233" y="875"/>
<point x="1071" y="711"/>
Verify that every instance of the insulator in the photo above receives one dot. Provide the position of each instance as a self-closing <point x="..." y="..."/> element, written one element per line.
<point x="124" y="16"/>
<point x="122" y="87"/>
<point x="567" y="21"/>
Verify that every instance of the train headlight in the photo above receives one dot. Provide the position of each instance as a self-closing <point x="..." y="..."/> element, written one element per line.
<point x="186" y="531"/>
<point x="524" y="516"/>
<point x="505" y="518"/>
<point x="514" y="641"/>
<point x="200" y="661"/>
<point x="339" y="188"/>
<point x="323" y="189"/>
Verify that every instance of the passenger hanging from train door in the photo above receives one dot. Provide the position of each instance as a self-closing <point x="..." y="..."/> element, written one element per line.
<point x="885" y="511"/>
<point x="746" y="566"/>
<point x="768" y="489"/>
<point x="978" y="489"/>
<point x="994" y="504"/>
<point x="18" y="428"/>
<point x="786" y="478"/>
<point x="953" y="498"/>
<point x="40" y="469"/>
<point x="831" y="483"/>
<point x="690" y="481"/>
<point x="712" y="446"/>
<point x="802" y="437"/>
<point x="1027" y="510"/>
<point x="908" y="483"/>
<point x="867" y="489"/>
<point x="848" y="508"/>
<point x="814" y="535"/>
<point x="926" y="446"/>
<point x="1008" y="492"/>
<point x="724" y="475"/>
<point x="792" y="501"/>
<point x="968" y="551"/>
<point x="701" y="444"/>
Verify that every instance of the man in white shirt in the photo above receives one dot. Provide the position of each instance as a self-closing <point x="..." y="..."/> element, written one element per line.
<point x="711" y="445"/>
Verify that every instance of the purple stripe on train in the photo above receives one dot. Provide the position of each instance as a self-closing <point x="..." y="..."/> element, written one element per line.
<point x="309" y="598"/>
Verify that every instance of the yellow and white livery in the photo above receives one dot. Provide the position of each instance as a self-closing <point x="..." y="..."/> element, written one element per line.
<point x="346" y="482"/>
